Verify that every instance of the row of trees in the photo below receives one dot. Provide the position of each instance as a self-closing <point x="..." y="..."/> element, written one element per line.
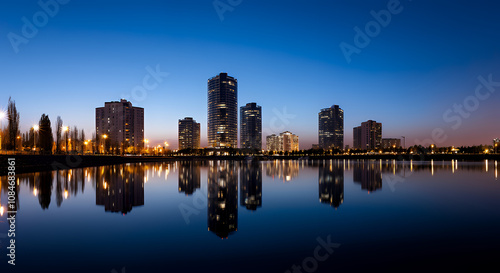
<point x="40" y="137"/>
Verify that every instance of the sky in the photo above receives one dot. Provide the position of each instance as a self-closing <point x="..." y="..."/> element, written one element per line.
<point x="427" y="70"/>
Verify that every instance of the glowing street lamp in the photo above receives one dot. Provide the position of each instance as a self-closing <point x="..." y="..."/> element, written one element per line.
<point x="66" y="131"/>
<point x="35" y="129"/>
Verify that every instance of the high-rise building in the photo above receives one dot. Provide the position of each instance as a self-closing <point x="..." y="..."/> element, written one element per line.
<point x="222" y="126"/>
<point x="288" y="142"/>
<point x="120" y="123"/>
<point x="251" y="126"/>
<point x="189" y="134"/>
<point x="368" y="136"/>
<point x="272" y="143"/>
<point x="391" y="143"/>
<point x="285" y="142"/>
<point x="331" y="128"/>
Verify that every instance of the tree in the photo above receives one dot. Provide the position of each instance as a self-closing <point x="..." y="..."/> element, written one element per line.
<point x="82" y="141"/>
<point x="13" y="127"/>
<point x="59" y="127"/>
<point x="45" y="137"/>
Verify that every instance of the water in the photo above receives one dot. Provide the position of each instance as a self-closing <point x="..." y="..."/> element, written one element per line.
<point x="225" y="216"/>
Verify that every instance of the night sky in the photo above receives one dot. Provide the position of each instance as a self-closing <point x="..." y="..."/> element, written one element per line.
<point x="423" y="73"/>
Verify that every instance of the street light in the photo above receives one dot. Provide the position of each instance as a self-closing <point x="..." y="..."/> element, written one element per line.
<point x="104" y="146"/>
<point x="35" y="129"/>
<point x="66" y="130"/>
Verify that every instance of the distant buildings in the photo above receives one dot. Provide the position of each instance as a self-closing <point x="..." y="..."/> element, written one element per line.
<point x="222" y="126"/>
<point x="189" y="134"/>
<point x="272" y="143"/>
<point x="251" y="126"/>
<point x="121" y="124"/>
<point x="391" y="143"/>
<point x="367" y="136"/>
<point x="331" y="128"/>
<point x="285" y="142"/>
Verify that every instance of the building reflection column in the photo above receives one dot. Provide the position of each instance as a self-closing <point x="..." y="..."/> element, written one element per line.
<point x="222" y="198"/>
<point x="189" y="177"/>
<point x="331" y="183"/>
<point x="119" y="188"/>
<point x="368" y="174"/>
<point x="251" y="185"/>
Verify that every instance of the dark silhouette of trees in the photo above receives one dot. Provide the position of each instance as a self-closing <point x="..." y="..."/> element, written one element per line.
<point x="13" y="127"/>
<point x="59" y="127"/>
<point x="45" y="138"/>
<point x="45" y="189"/>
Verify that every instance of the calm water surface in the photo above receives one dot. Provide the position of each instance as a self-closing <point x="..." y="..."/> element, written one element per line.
<point x="230" y="216"/>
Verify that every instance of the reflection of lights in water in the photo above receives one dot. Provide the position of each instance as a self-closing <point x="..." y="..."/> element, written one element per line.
<point x="66" y="194"/>
<point x="411" y="165"/>
<point x="452" y="166"/>
<point x="486" y="162"/>
<point x="35" y="192"/>
<point x="432" y="167"/>
<point x="496" y="170"/>
<point x="105" y="185"/>
<point x="1" y="210"/>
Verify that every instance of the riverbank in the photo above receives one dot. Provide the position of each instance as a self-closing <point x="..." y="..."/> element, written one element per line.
<point x="37" y="163"/>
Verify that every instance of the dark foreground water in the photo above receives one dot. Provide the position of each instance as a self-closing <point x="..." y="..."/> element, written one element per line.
<point x="226" y="216"/>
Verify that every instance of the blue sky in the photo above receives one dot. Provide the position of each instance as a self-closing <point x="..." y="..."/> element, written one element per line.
<point x="285" y="55"/>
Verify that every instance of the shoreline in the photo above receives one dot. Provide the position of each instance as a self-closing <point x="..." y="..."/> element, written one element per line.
<point x="38" y="163"/>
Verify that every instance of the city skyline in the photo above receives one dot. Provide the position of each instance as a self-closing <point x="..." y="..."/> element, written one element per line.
<point x="168" y="50"/>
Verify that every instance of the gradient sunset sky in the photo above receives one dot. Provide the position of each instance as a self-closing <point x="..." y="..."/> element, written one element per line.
<point x="286" y="56"/>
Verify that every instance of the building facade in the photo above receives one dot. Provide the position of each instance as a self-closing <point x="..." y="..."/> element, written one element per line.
<point x="222" y="125"/>
<point x="251" y="126"/>
<point x="285" y="142"/>
<point x="388" y="143"/>
<point x="331" y="128"/>
<point x="189" y="134"/>
<point x="368" y="136"/>
<point x="272" y="143"/>
<point x="121" y="124"/>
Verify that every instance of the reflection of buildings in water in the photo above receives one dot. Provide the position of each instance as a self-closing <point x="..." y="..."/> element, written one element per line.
<point x="331" y="183"/>
<point x="368" y="173"/>
<point x="283" y="169"/>
<point x="189" y="177"/>
<point x="120" y="187"/>
<point x="251" y="185"/>
<point x="222" y="198"/>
